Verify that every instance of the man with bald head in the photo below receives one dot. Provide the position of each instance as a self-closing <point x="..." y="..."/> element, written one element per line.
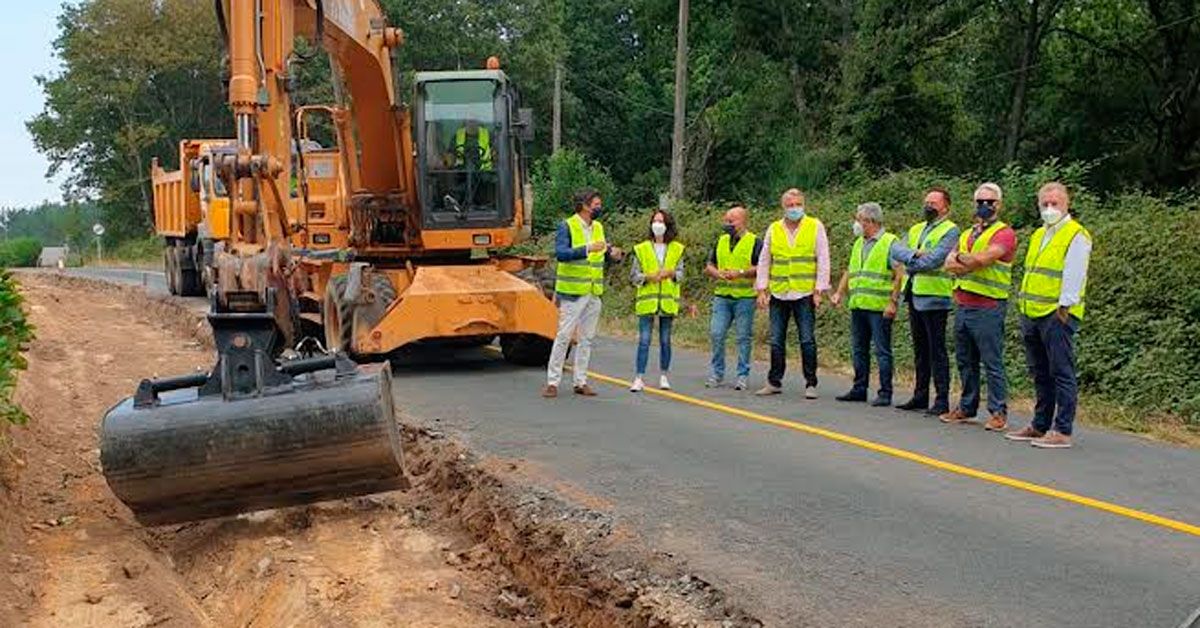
<point x="732" y="267"/>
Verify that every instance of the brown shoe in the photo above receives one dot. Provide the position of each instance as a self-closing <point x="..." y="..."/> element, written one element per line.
<point x="585" y="390"/>
<point x="998" y="423"/>
<point x="956" y="417"/>
<point x="1052" y="440"/>
<point x="1024" y="435"/>
<point x="550" y="391"/>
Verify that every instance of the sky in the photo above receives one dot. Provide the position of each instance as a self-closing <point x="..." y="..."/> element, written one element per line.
<point x="26" y="32"/>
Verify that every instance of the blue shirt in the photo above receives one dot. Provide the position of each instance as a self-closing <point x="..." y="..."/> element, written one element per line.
<point x="932" y="259"/>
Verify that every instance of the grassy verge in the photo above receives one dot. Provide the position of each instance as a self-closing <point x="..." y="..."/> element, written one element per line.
<point x="1095" y="411"/>
<point x="143" y="253"/>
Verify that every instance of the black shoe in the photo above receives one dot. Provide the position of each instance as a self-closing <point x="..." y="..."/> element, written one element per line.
<point x="881" y="402"/>
<point x="938" y="409"/>
<point x="852" y="396"/>
<point x="914" y="404"/>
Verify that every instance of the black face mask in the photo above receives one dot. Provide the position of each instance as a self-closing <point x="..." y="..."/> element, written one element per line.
<point x="931" y="213"/>
<point x="729" y="230"/>
<point x="985" y="210"/>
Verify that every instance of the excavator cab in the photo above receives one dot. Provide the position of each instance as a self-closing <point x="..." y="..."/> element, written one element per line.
<point x="470" y="133"/>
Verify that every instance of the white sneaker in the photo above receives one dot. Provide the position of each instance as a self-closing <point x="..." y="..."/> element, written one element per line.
<point x="638" y="385"/>
<point x="810" y="392"/>
<point x="741" y="384"/>
<point x="664" y="383"/>
<point x="712" y="382"/>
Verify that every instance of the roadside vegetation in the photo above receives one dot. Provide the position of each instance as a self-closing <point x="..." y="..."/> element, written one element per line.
<point x="15" y="333"/>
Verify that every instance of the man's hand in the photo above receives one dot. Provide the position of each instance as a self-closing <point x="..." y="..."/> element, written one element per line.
<point x="836" y="299"/>
<point x="727" y="274"/>
<point x="918" y="253"/>
<point x="1063" y="313"/>
<point x="818" y="298"/>
<point x="616" y="253"/>
<point x="889" y="312"/>
<point x="764" y="299"/>
<point x="952" y="265"/>
<point x="596" y="247"/>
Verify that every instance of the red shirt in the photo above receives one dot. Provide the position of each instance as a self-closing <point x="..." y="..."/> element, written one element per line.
<point x="1006" y="238"/>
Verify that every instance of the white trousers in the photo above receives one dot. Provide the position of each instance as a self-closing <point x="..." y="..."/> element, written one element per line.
<point x="582" y="314"/>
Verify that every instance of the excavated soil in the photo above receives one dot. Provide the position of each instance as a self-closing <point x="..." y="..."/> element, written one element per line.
<point x="474" y="543"/>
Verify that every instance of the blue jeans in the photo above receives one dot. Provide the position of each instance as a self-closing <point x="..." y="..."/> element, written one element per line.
<point x="868" y="327"/>
<point x="645" y="327"/>
<point x="1050" y="354"/>
<point x="802" y="311"/>
<point x="979" y="336"/>
<point x="728" y="311"/>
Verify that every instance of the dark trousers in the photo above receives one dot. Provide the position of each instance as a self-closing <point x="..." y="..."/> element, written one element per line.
<point x="930" y="355"/>
<point x="866" y="328"/>
<point x="802" y="312"/>
<point x="979" y="337"/>
<point x="1050" y="355"/>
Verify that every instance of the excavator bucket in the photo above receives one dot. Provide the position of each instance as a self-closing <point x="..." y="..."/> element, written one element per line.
<point x="211" y="445"/>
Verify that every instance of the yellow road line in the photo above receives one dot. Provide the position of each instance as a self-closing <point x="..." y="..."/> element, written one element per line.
<point x="950" y="467"/>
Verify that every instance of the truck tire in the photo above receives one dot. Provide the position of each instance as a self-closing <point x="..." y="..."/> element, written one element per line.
<point x="170" y="269"/>
<point x="526" y="349"/>
<point x="338" y="316"/>
<point x="191" y="283"/>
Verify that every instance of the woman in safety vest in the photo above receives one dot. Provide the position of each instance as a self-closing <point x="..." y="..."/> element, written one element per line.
<point x="657" y="272"/>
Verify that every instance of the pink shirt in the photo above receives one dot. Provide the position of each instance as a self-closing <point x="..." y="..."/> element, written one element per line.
<point x="764" y="263"/>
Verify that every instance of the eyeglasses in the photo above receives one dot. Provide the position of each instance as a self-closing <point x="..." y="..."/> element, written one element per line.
<point x="986" y="201"/>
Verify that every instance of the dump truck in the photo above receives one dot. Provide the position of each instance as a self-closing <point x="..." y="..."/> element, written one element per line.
<point x="191" y="204"/>
<point x="431" y="192"/>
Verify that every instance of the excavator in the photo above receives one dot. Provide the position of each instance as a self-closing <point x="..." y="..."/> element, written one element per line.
<point x="432" y="192"/>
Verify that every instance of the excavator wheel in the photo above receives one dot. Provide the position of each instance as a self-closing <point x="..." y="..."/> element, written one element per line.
<point x="338" y="316"/>
<point x="526" y="349"/>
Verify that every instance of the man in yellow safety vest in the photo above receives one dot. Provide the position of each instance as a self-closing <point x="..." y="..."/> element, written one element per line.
<point x="582" y="251"/>
<point x="793" y="276"/>
<point x="982" y="268"/>
<point x="872" y="282"/>
<point x="1051" y="301"/>
<point x="732" y="266"/>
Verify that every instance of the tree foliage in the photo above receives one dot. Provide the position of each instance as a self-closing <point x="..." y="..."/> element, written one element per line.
<point x="15" y="333"/>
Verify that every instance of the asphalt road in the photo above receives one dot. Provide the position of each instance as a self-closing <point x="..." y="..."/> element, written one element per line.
<point x="809" y="530"/>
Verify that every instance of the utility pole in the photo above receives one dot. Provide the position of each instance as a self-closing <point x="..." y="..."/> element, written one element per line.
<point x="677" y="152"/>
<point x="556" y="136"/>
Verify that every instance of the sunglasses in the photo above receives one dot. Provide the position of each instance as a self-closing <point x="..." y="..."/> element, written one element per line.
<point x="985" y="201"/>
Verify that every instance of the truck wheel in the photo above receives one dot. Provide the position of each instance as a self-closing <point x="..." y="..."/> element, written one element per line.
<point x="526" y="349"/>
<point x="169" y="269"/>
<point x="191" y="283"/>
<point x="338" y="316"/>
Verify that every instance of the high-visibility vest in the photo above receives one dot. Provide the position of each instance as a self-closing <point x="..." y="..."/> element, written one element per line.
<point x="658" y="297"/>
<point x="992" y="281"/>
<point x="929" y="283"/>
<point x="483" y="140"/>
<point x="871" y="279"/>
<point x="1042" y="284"/>
<point x="740" y="257"/>
<point x="582" y="276"/>
<point x="794" y="266"/>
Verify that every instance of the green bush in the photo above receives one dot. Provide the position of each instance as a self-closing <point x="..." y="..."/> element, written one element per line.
<point x="15" y="331"/>
<point x="1137" y="345"/>
<point x="555" y="180"/>
<point x="144" y="249"/>
<point x="20" y="252"/>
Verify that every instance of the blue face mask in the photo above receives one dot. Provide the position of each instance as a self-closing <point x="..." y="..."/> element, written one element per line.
<point x="794" y="213"/>
<point x="596" y="211"/>
<point x="985" y="209"/>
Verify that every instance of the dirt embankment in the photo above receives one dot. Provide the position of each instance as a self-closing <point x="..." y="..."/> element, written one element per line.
<point x="469" y="545"/>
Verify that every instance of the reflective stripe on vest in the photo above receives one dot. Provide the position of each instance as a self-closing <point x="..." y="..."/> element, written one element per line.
<point x="739" y="258"/>
<point x="929" y="283"/>
<point x="483" y="139"/>
<point x="794" y="266"/>
<point x="993" y="281"/>
<point x="871" y="279"/>
<point x="1041" y="286"/>
<point x="582" y="276"/>
<point x="658" y="297"/>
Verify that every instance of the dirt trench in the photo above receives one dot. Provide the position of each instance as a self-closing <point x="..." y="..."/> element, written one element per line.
<point x="470" y="545"/>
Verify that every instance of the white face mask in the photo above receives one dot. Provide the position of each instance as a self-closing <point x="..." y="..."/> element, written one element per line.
<point x="658" y="229"/>
<point x="1051" y="215"/>
<point x="857" y="227"/>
